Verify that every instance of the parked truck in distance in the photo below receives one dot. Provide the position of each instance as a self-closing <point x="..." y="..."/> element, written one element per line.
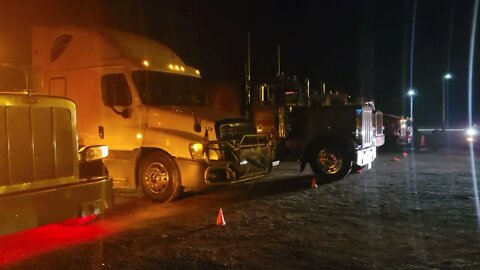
<point x="44" y="177"/>
<point x="320" y="129"/>
<point x="140" y="99"/>
<point x="397" y="131"/>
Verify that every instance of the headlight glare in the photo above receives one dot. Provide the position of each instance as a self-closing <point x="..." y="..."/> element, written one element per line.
<point x="196" y="151"/>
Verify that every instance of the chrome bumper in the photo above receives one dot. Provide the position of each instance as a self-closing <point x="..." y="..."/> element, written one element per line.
<point x="32" y="208"/>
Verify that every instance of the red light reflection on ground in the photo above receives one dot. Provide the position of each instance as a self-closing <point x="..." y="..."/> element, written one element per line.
<point x="29" y="243"/>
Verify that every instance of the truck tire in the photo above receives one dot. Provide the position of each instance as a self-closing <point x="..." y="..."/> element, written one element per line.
<point x="159" y="177"/>
<point x="331" y="163"/>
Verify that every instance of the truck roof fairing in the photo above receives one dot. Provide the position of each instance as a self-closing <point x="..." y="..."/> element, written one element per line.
<point x="72" y="47"/>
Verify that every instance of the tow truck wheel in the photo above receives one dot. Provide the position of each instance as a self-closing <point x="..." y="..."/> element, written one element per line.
<point x="159" y="177"/>
<point x="331" y="163"/>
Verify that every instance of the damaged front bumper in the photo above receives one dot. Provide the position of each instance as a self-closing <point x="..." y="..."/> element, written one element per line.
<point x="233" y="161"/>
<point x="230" y="161"/>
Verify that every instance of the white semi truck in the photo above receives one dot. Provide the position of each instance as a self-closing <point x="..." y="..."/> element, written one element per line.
<point x="140" y="99"/>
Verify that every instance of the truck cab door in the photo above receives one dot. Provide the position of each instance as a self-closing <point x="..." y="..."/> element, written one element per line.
<point x="120" y="126"/>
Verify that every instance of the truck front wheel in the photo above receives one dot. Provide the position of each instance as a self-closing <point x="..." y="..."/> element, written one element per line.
<point x="331" y="164"/>
<point x="159" y="177"/>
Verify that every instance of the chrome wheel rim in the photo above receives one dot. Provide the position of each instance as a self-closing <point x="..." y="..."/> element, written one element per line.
<point x="329" y="161"/>
<point x="156" y="177"/>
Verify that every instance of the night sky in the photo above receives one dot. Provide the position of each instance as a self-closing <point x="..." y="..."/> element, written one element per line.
<point x="361" y="47"/>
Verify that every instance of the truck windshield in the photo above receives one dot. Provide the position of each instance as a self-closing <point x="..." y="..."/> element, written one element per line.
<point x="159" y="88"/>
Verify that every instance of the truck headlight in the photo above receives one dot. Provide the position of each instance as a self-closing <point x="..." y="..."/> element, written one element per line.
<point x="196" y="150"/>
<point x="471" y="133"/>
<point x="259" y="129"/>
<point x="358" y="134"/>
<point x="94" y="152"/>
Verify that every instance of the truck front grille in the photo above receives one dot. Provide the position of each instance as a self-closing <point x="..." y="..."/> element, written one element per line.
<point x="367" y="126"/>
<point x="379" y="122"/>
<point x="234" y="129"/>
<point x="36" y="143"/>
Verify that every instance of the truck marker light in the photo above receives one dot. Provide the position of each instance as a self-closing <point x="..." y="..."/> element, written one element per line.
<point x="139" y="136"/>
<point x="146" y="63"/>
<point x="197" y="71"/>
<point x="177" y="67"/>
<point x="170" y="66"/>
<point x="182" y="68"/>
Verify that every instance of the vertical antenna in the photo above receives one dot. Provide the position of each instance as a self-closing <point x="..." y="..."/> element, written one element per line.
<point x="278" y="62"/>
<point x="307" y="83"/>
<point x="248" y="70"/>
<point x="26" y="80"/>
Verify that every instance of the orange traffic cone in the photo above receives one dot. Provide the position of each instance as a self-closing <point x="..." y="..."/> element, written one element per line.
<point x="220" y="219"/>
<point x="314" y="183"/>
<point x="422" y="141"/>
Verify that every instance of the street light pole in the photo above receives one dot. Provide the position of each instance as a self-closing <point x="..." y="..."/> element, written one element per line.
<point x="445" y="80"/>
<point x="411" y="93"/>
<point x="443" y="104"/>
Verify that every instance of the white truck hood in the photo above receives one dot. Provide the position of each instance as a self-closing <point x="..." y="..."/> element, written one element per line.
<point x="182" y="118"/>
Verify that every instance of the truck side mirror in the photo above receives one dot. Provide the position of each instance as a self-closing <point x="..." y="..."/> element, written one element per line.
<point x="126" y="113"/>
<point x="196" y="125"/>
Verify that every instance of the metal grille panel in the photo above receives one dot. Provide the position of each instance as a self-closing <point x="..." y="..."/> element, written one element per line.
<point x="367" y="127"/>
<point x="236" y="131"/>
<point x="36" y="144"/>
<point x="379" y="122"/>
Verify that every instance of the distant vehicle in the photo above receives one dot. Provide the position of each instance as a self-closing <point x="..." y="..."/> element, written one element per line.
<point x="472" y="135"/>
<point x="44" y="177"/>
<point x="322" y="129"/>
<point x="140" y="99"/>
<point x="397" y="130"/>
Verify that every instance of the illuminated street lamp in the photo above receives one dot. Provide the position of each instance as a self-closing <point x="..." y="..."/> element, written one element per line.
<point x="446" y="77"/>
<point x="411" y="93"/>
